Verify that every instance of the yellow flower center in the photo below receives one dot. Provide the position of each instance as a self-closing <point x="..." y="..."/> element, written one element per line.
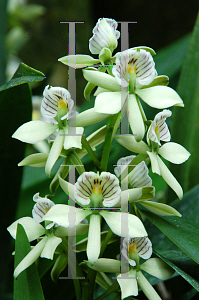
<point x="157" y="129"/>
<point x="62" y="104"/>
<point x="132" y="247"/>
<point x="97" y="189"/>
<point x="132" y="70"/>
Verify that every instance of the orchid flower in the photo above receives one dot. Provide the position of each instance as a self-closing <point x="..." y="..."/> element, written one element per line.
<point x="136" y="76"/>
<point x="50" y="235"/>
<point x="170" y="151"/>
<point x="56" y="106"/>
<point x="133" y="249"/>
<point x="103" y="42"/>
<point x="97" y="194"/>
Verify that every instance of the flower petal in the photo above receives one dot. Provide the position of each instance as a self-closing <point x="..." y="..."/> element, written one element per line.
<point x="75" y="140"/>
<point x="31" y="257"/>
<point x="105" y="265"/>
<point x="122" y="164"/>
<point x="83" y="187"/>
<point x="87" y="117"/>
<point x="34" y="131"/>
<point x="78" y="61"/>
<point x="154" y="162"/>
<point x="101" y="79"/>
<point x="55" y="152"/>
<point x="49" y="104"/>
<point x="174" y="153"/>
<point x="160" y="97"/>
<point x="160" y="209"/>
<point x="35" y="160"/>
<point x="139" y="177"/>
<point x="170" y="179"/>
<point x="110" y="103"/>
<point x="77" y="230"/>
<point x="117" y="220"/>
<point x="32" y="228"/>
<point x="105" y="35"/>
<point x="67" y="187"/>
<point x="94" y="238"/>
<point x="62" y="214"/>
<point x="158" y="268"/>
<point x="50" y="246"/>
<point x="135" y="118"/>
<point x="146" y="287"/>
<point x="41" y="208"/>
<point x="129" y="285"/>
<point x="129" y="142"/>
<point x="111" y="191"/>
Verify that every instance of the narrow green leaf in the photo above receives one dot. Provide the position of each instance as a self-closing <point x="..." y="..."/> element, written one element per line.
<point x="27" y="286"/>
<point x="183" y="233"/>
<point x="24" y="74"/>
<point x="185" y="125"/>
<point x="173" y="259"/>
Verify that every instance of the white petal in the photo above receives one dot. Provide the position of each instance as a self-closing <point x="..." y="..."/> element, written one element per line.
<point x="50" y="246"/>
<point x="139" y="177"/>
<point x="105" y="35"/>
<point x="110" y="103"/>
<point x="87" y="117"/>
<point x="55" y="151"/>
<point x="130" y="196"/>
<point x="122" y="164"/>
<point x="101" y="79"/>
<point x="130" y="224"/>
<point x="34" y="160"/>
<point x="129" y="285"/>
<point x="158" y="130"/>
<point x="146" y="287"/>
<point x="154" y="162"/>
<point x="170" y="179"/>
<point x="105" y="265"/>
<point x="129" y="142"/>
<point x="49" y="102"/>
<point x="158" y="268"/>
<point x="135" y="118"/>
<point x="31" y="257"/>
<point x="160" y="209"/>
<point x="111" y="191"/>
<point x="67" y="187"/>
<point x="61" y="214"/>
<point x="32" y="228"/>
<point x="160" y="97"/>
<point x="78" y="61"/>
<point x="174" y="153"/>
<point x="75" y="140"/>
<point x="41" y="208"/>
<point x="77" y="230"/>
<point x="34" y="131"/>
<point x="83" y="187"/>
<point x="94" y="238"/>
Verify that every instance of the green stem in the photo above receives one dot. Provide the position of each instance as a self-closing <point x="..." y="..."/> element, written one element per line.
<point x="88" y="288"/>
<point x="77" y="289"/>
<point x="108" y="141"/>
<point x="105" y="243"/>
<point x="74" y="159"/>
<point x="91" y="152"/>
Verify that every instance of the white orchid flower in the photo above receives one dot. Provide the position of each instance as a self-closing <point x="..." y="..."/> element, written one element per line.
<point x="105" y="35"/>
<point x="136" y="76"/>
<point x="96" y="193"/>
<point x="170" y="151"/>
<point x="56" y="107"/>
<point x="50" y="235"/>
<point x="133" y="248"/>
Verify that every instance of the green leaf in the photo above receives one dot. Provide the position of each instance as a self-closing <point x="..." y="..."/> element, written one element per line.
<point x="27" y="286"/>
<point x="24" y="74"/>
<point x="178" y="261"/>
<point x="185" y="125"/>
<point x="182" y="232"/>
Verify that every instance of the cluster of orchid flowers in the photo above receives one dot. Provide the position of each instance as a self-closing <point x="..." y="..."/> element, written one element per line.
<point x="122" y="81"/>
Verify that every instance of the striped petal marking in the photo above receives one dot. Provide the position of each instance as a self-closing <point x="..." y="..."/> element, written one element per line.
<point x="142" y="246"/>
<point x="158" y="131"/>
<point x="134" y="67"/>
<point x="91" y="189"/>
<point x="54" y="98"/>
<point x="41" y="207"/>
<point x="122" y="164"/>
<point x="105" y="35"/>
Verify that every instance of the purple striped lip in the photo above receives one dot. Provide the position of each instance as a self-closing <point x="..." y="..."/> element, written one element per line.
<point x="41" y="207"/>
<point x="104" y="187"/>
